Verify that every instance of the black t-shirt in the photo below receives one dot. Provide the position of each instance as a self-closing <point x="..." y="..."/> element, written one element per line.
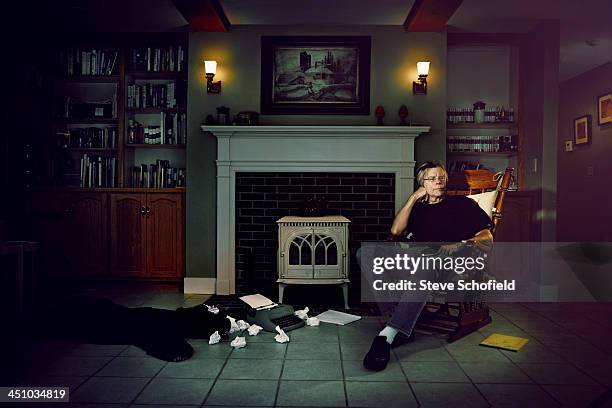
<point x="454" y="219"/>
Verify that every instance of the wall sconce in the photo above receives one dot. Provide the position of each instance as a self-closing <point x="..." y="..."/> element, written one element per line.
<point x="211" y="69"/>
<point x="420" y="87"/>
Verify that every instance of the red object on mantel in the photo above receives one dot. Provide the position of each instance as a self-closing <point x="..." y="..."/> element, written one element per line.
<point x="430" y="15"/>
<point x="403" y="114"/>
<point x="380" y="115"/>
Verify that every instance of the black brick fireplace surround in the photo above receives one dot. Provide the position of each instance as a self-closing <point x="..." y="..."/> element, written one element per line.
<point x="367" y="199"/>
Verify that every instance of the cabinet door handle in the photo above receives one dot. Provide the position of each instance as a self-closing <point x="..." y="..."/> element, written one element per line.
<point x="143" y="211"/>
<point x="148" y="211"/>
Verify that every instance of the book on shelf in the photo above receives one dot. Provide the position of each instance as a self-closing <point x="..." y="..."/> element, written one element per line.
<point x="87" y="62"/>
<point x="151" y="95"/>
<point x="90" y="137"/>
<point x="482" y="144"/>
<point x="158" y="59"/>
<point x="158" y="175"/>
<point x="172" y="130"/>
<point x="98" y="171"/>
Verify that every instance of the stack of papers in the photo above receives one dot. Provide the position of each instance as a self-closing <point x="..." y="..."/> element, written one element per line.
<point x="258" y="302"/>
<point x="335" y="317"/>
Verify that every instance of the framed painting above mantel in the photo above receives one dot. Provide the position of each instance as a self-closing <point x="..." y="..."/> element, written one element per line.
<point x="315" y="75"/>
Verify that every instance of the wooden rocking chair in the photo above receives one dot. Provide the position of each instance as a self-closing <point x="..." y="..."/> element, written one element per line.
<point x="461" y="318"/>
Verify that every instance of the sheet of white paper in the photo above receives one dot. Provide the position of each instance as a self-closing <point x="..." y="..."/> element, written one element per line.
<point x="281" y="337"/>
<point x="268" y="306"/>
<point x="256" y="301"/>
<point x="312" y="321"/>
<point x="335" y="317"/>
<point x="214" y="338"/>
<point x="254" y="330"/>
<point x="302" y="314"/>
<point x="238" y="342"/>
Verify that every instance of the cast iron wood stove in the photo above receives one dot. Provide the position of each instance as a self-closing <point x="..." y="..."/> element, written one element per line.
<point x="313" y="250"/>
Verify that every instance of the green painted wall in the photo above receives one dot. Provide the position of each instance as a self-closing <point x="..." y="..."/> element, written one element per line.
<point x="393" y="68"/>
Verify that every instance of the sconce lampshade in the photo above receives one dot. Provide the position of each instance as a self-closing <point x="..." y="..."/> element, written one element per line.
<point x="210" y="67"/>
<point x="422" y="68"/>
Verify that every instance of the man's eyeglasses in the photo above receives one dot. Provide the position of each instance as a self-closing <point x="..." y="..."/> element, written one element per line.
<point x="439" y="178"/>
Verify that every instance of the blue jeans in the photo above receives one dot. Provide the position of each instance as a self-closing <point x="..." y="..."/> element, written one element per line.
<point x="403" y="314"/>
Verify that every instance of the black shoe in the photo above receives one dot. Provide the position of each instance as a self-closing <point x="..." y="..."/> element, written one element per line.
<point x="379" y="354"/>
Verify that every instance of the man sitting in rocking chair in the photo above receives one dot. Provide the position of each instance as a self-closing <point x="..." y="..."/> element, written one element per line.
<point x="431" y="216"/>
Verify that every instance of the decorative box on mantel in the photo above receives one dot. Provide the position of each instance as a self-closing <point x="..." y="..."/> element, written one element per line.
<point x="313" y="250"/>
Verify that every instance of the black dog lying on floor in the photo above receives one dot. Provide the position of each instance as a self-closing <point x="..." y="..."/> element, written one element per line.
<point x="159" y="332"/>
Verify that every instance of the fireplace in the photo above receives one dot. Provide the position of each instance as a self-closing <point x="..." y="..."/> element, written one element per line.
<point x="261" y="198"/>
<point x="303" y="149"/>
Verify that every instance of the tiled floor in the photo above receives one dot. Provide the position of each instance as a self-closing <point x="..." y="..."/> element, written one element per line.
<point x="566" y="362"/>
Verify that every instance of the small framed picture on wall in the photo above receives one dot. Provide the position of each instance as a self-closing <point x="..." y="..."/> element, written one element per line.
<point x="582" y="130"/>
<point x="604" y="109"/>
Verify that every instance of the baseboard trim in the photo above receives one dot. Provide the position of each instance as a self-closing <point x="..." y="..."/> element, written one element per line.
<point x="200" y="286"/>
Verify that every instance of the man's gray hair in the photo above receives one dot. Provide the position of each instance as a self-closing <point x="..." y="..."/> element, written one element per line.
<point x="424" y="167"/>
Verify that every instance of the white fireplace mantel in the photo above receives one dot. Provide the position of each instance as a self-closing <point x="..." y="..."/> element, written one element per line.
<point x="354" y="149"/>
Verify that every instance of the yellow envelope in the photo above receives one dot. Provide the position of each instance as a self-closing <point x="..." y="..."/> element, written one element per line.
<point x="504" y="342"/>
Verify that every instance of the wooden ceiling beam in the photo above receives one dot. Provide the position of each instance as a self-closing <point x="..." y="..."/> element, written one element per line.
<point x="430" y="15"/>
<point x="203" y="15"/>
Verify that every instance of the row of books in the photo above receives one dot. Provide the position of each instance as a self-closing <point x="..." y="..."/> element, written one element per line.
<point x="90" y="137"/>
<point x="153" y="95"/>
<point x="70" y="107"/>
<point x="488" y="115"/>
<point x="171" y="131"/>
<point x="98" y="171"/>
<point x="483" y="144"/>
<point x="160" y="59"/>
<point x="158" y="175"/>
<point x="76" y="61"/>
<point x="460" y="165"/>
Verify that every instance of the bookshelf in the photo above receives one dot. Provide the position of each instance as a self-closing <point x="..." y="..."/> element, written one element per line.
<point x="155" y="113"/>
<point x="85" y="128"/>
<point x="106" y="91"/>
<point x="485" y="71"/>
<point x="131" y="86"/>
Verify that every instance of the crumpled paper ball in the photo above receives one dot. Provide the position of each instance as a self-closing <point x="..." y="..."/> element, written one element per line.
<point x="254" y="330"/>
<point x="242" y="325"/>
<point x="312" y="321"/>
<point x="281" y="337"/>
<point x="212" y="309"/>
<point x="302" y="314"/>
<point x="214" y="338"/>
<point x="233" y="325"/>
<point x="238" y="342"/>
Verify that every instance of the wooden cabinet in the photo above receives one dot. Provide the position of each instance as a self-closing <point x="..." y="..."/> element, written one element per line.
<point x="165" y="242"/>
<point x="127" y="225"/>
<point x="73" y="231"/>
<point x="87" y="233"/>
<point x="147" y="235"/>
<point x="104" y="234"/>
